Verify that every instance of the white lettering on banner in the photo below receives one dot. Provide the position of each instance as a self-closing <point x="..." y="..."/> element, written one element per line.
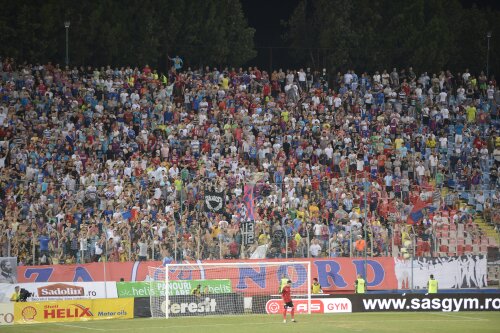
<point x="336" y="305"/>
<point x="6" y="314"/>
<point x="302" y="307"/>
<point x="318" y="305"/>
<point x="61" y="289"/>
<point x="46" y="291"/>
<point x="208" y="305"/>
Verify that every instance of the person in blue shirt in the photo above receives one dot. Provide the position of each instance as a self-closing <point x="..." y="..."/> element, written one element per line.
<point x="177" y="62"/>
<point x="44" y="244"/>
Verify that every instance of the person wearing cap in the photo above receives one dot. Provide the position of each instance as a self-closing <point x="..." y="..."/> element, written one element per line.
<point x="360" y="245"/>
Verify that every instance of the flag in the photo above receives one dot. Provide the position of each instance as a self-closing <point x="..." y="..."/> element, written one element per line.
<point x="214" y="201"/>
<point x="127" y="215"/>
<point x="248" y="200"/>
<point x="418" y="210"/>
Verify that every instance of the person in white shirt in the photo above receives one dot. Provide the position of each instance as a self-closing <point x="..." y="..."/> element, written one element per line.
<point x="368" y="98"/>
<point x="445" y="113"/>
<point x="302" y="79"/>
<point x="337" y="102"/>
<point x="460" y="94"/>
<point x="433" y="161"/>
<point x="442" y="97"/>
<point x="348" y="79"/>
<point x="420" y="169"/>
<point x="315" y="249"/>
<point x="443" y="143"/>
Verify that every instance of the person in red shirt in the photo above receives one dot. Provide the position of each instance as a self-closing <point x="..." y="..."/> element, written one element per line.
<point x="286" y="295"/>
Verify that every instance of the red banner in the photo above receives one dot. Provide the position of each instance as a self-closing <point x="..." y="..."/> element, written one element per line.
<point x="333" y="274"/>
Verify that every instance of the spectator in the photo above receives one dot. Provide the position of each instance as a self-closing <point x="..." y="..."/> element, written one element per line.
<point x="102" y="164"/>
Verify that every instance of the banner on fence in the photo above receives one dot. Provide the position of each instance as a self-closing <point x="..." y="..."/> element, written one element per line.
<point x="184" y="287"/>
<point x="75" y="310"/>
<point x="384" y="302"/>
<point x="216" y="304"/>
<point x="322" y="305"/>
<point x="452" y="272"/>
<point x="421" y="302"/>
<point x="61" y="290"/>
<point x="214" y="201"/>
<point x="8" y="270"/>
<point x="337" y="274"/>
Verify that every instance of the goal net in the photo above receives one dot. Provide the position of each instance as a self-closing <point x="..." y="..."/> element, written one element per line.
<point x="204" y="289"/>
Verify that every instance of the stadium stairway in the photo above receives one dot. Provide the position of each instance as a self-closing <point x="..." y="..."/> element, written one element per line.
<point x="488" y="229"/>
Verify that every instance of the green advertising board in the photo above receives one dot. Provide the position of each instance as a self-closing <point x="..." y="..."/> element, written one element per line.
<point x="183" y="287"/>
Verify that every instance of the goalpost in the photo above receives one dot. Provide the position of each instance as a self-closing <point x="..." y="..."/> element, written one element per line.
<point x="226" y="288"/>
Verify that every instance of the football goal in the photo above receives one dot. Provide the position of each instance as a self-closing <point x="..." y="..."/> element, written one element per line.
<point x="203" y="289"/>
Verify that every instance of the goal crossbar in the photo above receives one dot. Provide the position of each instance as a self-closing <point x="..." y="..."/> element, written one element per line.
<point x="227" y="265"/>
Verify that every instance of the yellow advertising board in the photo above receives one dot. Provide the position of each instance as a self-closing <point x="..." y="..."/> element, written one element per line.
<point x="75" y="310"/>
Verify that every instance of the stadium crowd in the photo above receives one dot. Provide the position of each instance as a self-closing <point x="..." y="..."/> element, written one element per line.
<point x="112" y="163"/>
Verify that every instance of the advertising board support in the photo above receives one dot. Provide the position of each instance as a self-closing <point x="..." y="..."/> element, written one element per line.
<point x="104" y="271"/>
<point x="412" y="235"/>
<point x="167" y="293"/>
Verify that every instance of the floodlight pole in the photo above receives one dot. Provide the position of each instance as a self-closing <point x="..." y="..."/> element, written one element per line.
<point x="488" y="35"/>
<point x="66" y="26"/>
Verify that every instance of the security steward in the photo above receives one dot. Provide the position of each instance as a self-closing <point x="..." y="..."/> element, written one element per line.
<point x="316" y="287"/>
<point x="432" y="285"/>
<point x="196" y="291"/>
<point x="360" y="285"/>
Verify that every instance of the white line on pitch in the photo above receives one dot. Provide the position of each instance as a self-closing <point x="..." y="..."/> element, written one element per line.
<point x="280" y="323"/>
<point x="458" y="316"/>
<point x="82" y="327"/>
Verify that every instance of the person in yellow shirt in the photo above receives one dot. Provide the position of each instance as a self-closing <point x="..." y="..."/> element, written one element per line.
<point x="316" y="287"/>
<point x="225" y="82"/>
<point x="398" y="143"/>
<point x="263" y="238"/>
<point x="215" y="232"/>
<point x="360" y="285"/>
<point x="301" y="214"/>
<point x="471" y="114"/>
<point x="314" y="210"/>
<point x="432" y="285"/>
<point x="196" y="291"/>
<point x="16" y="295"/>
<point x="285" y="114"/>
<point x="298" y="238"/>
<point x="431" y="142"/>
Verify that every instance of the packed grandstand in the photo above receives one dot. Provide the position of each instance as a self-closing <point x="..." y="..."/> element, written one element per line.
<point x="116" y="164"/>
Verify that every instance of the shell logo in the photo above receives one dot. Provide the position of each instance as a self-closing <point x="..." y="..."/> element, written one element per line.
<point x="29" y="313"/>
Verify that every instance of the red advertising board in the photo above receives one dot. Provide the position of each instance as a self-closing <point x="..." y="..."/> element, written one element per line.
<point x="318" y="305"/>
<point x="335" y="274"/>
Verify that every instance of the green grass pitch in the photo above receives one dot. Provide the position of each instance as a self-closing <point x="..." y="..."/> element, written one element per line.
<point x="354" y="322"/>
